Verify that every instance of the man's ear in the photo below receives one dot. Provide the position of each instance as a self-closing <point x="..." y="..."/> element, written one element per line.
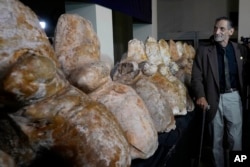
<point x="231" y="31"/>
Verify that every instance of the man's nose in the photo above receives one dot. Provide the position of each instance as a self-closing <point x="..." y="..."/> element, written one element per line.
<point x="217" y="31"/>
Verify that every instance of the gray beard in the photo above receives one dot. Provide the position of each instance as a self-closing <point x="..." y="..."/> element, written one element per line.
<point x="218" y="39"/>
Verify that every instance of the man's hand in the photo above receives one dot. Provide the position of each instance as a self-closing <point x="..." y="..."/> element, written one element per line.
<point x="202" y="103"/>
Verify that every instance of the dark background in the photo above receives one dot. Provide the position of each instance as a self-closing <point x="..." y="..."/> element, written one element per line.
<point x="49" y="11"/>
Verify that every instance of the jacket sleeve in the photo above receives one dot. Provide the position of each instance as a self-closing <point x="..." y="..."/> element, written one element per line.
<point x="197" y="80"/>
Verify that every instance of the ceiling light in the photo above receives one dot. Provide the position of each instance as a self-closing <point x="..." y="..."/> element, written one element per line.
<point x="43" y="24"/>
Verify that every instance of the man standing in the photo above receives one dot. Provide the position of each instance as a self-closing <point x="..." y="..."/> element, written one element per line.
<point x="217" y="80"/>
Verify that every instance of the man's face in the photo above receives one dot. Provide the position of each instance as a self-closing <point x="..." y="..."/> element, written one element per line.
<point x="222" y="31"/>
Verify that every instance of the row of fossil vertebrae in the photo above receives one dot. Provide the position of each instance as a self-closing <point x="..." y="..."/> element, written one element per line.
<point x="71" y="105"/>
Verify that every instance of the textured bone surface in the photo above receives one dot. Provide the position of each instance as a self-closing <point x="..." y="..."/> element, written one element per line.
<point x="136" y="51"/>
<point x="173" y="50"/>
<point x="152" y="50"/>
<point x="34" y="78"/>
<point x="155" y="79"/>
<point x="174" y="90"/>
<point x="159" y="109"/>
<point x="90" y="76"/>
<point x="157" y="105"/>
<point x="20" y="31"/>
<point x="126" y="72"/>
<point x="76" y="42"/>
<point x="180" y="69"/>
<point x="81" y="130"/>
<point x="66" y="120"/>
<point x="164" y="51"/>
<point x="133" y="116"/>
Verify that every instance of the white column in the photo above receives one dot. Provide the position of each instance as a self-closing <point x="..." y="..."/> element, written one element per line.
<point x="154" y="19"/>
<point x="244" y="22"/>
<point x="104" y="31"/>
<point x="142" y="30"/>
<point x="101" y="19"/>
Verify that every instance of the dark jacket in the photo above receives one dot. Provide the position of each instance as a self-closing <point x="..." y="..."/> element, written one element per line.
<point x="205" y="75"/>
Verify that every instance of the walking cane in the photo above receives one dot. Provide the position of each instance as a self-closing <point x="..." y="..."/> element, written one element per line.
<point x="202" y="132"/>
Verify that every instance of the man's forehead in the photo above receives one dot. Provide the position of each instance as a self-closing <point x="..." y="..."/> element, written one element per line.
<point x="221" y="23"/>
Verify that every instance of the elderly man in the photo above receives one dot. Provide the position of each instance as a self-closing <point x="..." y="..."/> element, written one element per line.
<point x="217" y="81"/>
